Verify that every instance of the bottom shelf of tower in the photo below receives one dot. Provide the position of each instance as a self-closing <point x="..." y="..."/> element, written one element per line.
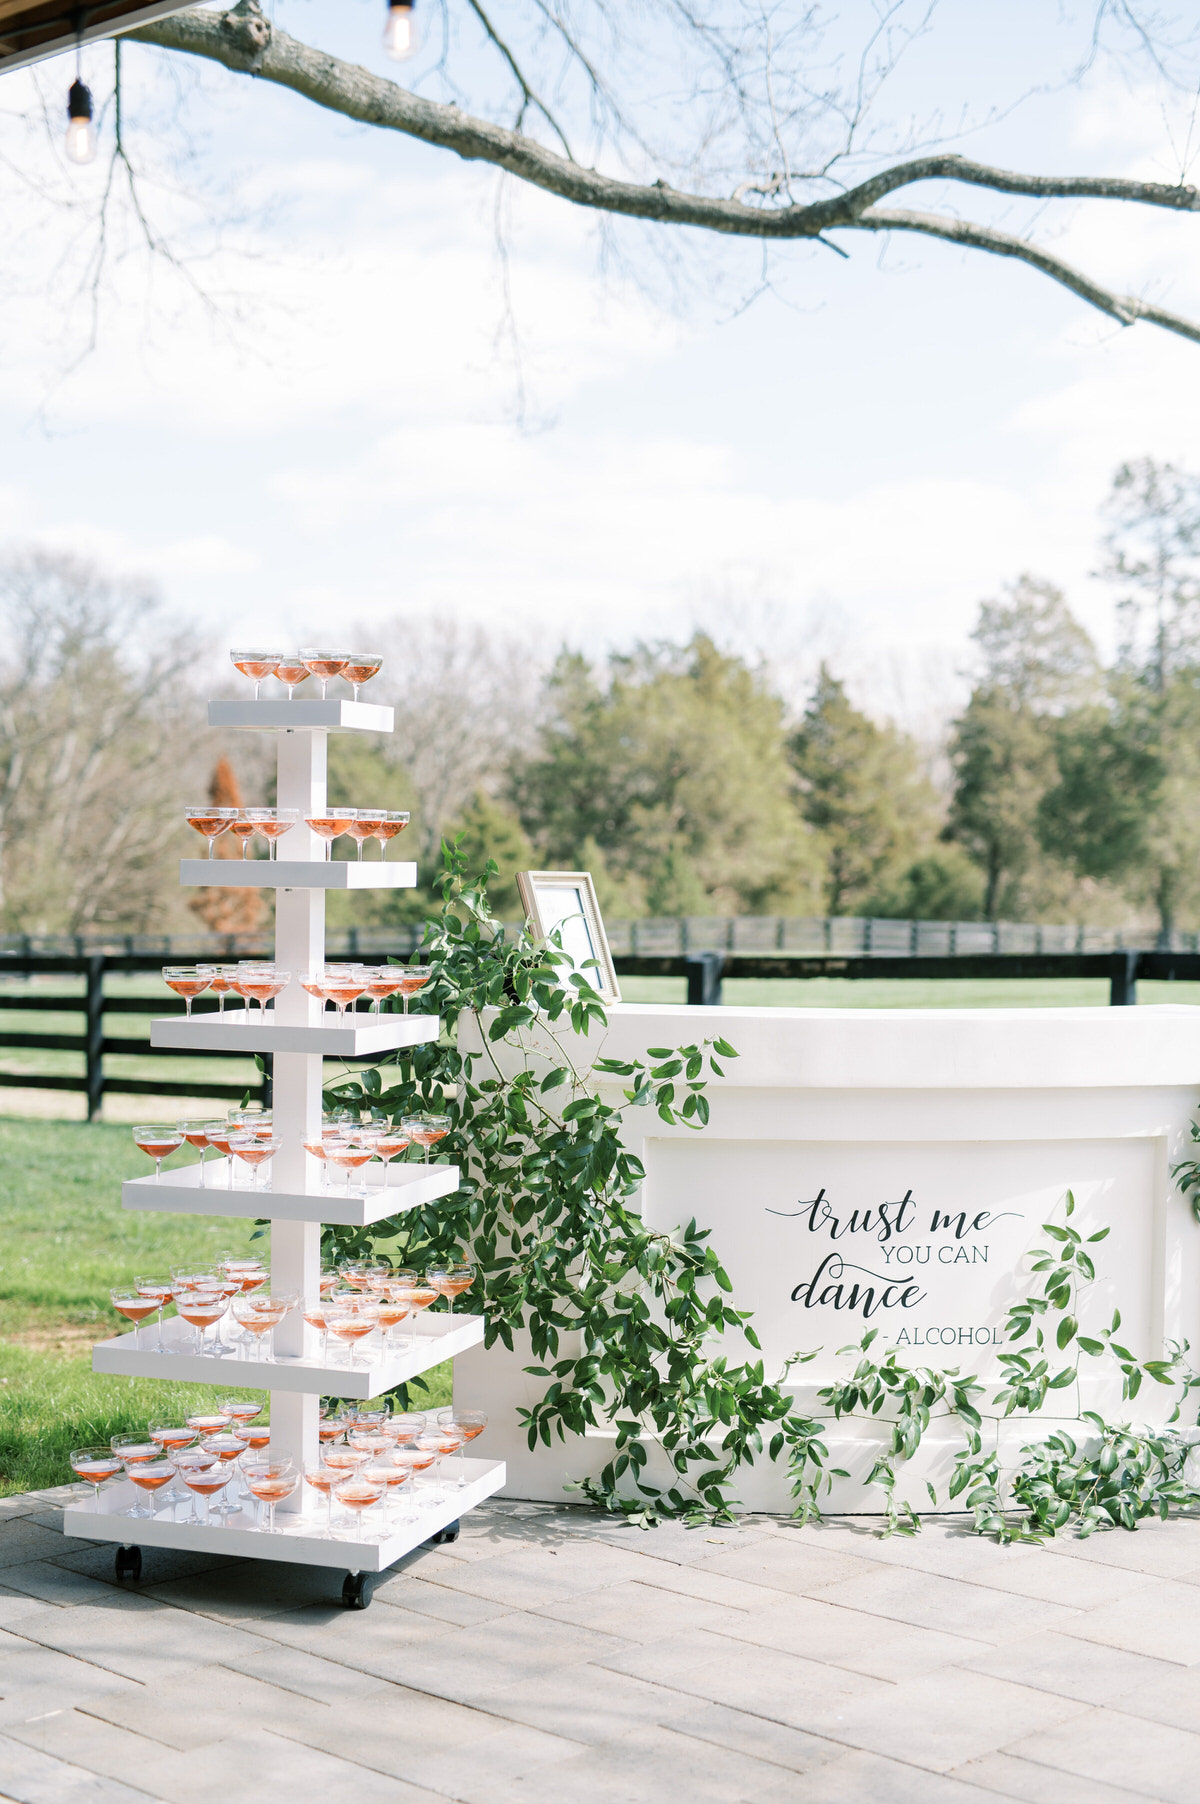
<point x="300" y="1538"/>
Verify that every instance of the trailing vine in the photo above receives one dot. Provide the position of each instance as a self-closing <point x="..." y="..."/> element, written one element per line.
<point x="625" y="1325"/>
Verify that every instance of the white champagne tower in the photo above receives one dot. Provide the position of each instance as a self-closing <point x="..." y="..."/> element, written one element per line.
<point x="299" y="1036"/>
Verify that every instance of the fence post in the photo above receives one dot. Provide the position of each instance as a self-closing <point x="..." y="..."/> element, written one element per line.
<point x="1122" y="982"/>
<point x="704" y="978"/>
<point x="94" y="1035"/>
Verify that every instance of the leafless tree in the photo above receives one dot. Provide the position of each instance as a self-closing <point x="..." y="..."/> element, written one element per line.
<point x="92" y="682"/>
<point x="465" y="701"/>
<point x="737" y="117"/>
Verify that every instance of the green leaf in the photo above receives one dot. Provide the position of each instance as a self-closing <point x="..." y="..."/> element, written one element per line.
<point x="1066" y="1330"/>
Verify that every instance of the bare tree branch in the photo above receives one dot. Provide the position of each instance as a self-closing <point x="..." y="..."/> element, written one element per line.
<point x="528" y="97"/>
<point x="245" y="42"/>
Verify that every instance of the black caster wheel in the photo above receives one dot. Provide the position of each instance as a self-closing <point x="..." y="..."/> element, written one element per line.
<point x="129" y="1562"/>
<point x="443" y="1535"/>
<point x="356" y="1590"/>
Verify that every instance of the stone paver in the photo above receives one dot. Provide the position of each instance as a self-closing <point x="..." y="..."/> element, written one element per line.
<point x="553" y="1653"/>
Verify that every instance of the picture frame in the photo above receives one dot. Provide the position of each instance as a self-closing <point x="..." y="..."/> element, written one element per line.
<point x="567" y="900"/>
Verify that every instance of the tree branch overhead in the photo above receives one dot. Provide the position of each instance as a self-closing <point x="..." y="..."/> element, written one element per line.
<point x="245" y="42"/>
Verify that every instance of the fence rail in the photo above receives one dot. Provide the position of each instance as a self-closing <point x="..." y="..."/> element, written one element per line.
<point x="847" y="936"/>
<point x="703" y="970"/>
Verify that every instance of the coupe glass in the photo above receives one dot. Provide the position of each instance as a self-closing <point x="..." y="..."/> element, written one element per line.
<point x="361" y="666"/>
<point x="157" y="1142"/>
<point x="347" y="1156"/>
<point x="344" y="989"/>
<point x="212" y="822"/>
<point x="256" y="664"/>
<point x="270" y="1481"/>
<point x="195" y="1460"/>
<point x="389" y="1145"/>
<point x="220" y="982"/>
<point x="128" y="1301"/>
<point x="254" y="1150"/>
<point x="272" y="823"/>
<point x="358" y="1493"/>
<point x="352" y="1320"/>
<point x="384" y="983"/>
<point x="187" y="981"/>
<point x="261" y="984"/>
<point x="393" y="823"/>
<point x="364" y="826"/>
<point x="437" y="1443"/>
<point x="201" y="1309"/>
<point x="412" y="979"/>
<point x="452" y="1280"/>
<point x="149" y="1476"/>
<point x="404" y="1429"/>
<point x="426" y="1130"/>
<point x="205" y="1479"/>
<point x="260" y="1312"/>
<point x="292" y="670"/>
<point x="470" y="1423"/>
<point x="330" y="826"/>
<point x="160" y="1290"/>
<point x="94" y="1465"/>
<point x="196" y="1134"/>
<point x="323" y="1478"/>
<point x="324" y="663"/>
<point x="244" y="828"/>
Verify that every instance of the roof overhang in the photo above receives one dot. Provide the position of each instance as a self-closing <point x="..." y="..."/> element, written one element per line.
<point x="33" y="29"/>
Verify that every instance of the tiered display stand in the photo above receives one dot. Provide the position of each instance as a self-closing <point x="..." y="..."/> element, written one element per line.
<point x="297" y="1200"/>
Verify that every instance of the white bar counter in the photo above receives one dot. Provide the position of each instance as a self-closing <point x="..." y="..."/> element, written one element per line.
<point x="891" y="1169"/>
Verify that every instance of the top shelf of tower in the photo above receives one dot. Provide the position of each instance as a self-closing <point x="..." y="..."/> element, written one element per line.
<point x="270" y="715"/>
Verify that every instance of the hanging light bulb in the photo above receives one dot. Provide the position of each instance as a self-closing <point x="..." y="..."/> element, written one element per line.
<point x="81" y="131"/>
<point x="400" y="37"/>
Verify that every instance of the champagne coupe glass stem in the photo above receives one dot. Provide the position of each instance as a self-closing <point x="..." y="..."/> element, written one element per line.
<point x="158" y="1171"/>
<point x="271" y="1517"/>
<point x="324" y="686"/>
<point x="362" y="842"/>
<point x="187" y="1007"/>
<point x="203" y="1186"/>
<point x="211" y="845"/>
<point x="204" y="1512"/>
<point x="358" y="1534"/>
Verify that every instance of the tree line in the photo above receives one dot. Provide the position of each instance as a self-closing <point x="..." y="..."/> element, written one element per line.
<point x="684" y="777"/>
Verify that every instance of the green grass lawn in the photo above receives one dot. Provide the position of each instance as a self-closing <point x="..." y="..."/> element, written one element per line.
<point x="64" y="1242"/>
<point x="906" y="992"/>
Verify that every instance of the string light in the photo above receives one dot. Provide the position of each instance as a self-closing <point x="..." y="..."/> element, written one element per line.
<point x="400" y="38"/>
<point x="81" y="130"/>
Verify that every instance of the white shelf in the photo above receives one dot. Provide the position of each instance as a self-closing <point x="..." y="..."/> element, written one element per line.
<point x="242" y="1030"/>
<point x="409" y="1186"/>
<point x="296" y="873"/>
<point x="438" y="1337"/>
<point x="299" y="1537"/>
<point x="333" y="716"/>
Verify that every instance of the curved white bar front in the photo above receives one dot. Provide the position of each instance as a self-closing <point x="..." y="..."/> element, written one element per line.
<point x="891" y="1169"/>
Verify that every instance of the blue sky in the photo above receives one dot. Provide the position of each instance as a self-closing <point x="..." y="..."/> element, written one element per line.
<point x="846" y="466"/>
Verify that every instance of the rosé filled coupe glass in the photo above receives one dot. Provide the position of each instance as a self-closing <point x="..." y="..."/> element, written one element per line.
<point x="323" y="663"/>
<point x="390" y="827"/>
<point x="452" y="1280"/>
<point x="365" y="825"/>
<point x="94" y="1465"/>
<point x="128" y="1301"/>
<point x="330" y="826"/>
<point x="272" y="823"/>
<point x="188" y="981"/>
<point x="360" y="667"/>
<point x="212" y="822"/>
<point x="412" y="979"/>
<point x="157" y="1142"/>
<point x="292" y="670"/>
<point x="426" y="1130"/>
<point x="244" y="828"/>
<point x="270" y="1481"/>
<point x="256" y="664"/>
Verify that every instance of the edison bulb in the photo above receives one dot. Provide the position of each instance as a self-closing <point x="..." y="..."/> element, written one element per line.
<point x="400" y="38"/>
<point x="80" y="143"/>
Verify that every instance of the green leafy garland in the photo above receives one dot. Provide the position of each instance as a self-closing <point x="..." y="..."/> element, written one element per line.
<point x="622" y="1321"/>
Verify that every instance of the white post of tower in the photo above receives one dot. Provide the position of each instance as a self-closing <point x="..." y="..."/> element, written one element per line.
<point x="296" y="1084"/>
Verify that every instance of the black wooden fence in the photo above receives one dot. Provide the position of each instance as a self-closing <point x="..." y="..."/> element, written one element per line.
<point x="703" y="971"/>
